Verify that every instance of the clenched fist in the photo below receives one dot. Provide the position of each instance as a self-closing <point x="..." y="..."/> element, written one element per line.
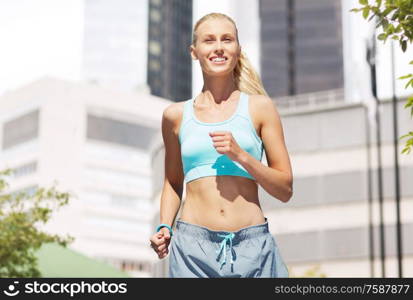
<point x="160" y="242"/>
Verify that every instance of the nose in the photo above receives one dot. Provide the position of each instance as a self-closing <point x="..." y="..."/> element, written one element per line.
<point x="218" y="47"/>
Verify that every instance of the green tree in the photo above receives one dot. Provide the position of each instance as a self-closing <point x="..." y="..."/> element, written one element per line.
<point x="395" y="17"/>
<point x="20" y="237"/>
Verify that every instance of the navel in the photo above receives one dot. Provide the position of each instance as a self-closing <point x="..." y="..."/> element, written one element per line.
<point x="222" y="212"/>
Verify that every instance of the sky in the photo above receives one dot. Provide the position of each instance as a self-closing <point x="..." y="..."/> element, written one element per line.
<point x="45" y="37"/>
<point x="39" y="37"/>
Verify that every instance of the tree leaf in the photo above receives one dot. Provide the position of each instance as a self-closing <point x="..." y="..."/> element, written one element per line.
<point x="385" y="24"/>
<point x="381" y="36"/>
<point x="19" y="235"/>
<point x="409" y="83"/>
<point x="395" y="15"/>
<point x="406" y="150"/>
<point x="405" y="76"/>
<point x="387" y="11"/>
<point x="398" y="28"/>
<point x="409" y="102"/>
<point x="366" y="12"/>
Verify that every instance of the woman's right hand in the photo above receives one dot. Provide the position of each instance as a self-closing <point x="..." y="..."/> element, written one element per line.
<point x="160" y="242"/>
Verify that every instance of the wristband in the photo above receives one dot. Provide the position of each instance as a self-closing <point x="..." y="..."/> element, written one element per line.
<point x="167" y="226"/>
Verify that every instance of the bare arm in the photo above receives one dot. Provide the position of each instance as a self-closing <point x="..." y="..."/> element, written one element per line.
<point x="277" y="178"/>
<point x="173" y="179"/>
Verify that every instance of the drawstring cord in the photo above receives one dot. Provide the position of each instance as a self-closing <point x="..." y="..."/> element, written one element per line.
<point x="227" y="237"/>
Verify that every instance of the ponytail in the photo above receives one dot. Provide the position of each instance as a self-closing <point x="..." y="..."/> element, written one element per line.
<point x="246" y="78"/>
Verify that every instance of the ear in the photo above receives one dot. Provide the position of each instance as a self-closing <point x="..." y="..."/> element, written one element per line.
<point x="192" y="52"/>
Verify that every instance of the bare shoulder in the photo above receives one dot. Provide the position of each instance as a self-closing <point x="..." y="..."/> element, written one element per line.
<point x="172" y="114"/>
<point x="263" y="107"/>
<point x="262" y="101"/>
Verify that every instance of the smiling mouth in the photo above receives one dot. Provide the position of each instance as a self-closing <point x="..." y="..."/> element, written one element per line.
<point x="218" y="59"/>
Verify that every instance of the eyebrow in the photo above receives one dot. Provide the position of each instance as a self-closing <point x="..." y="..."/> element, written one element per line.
<point x="211" y="34"/>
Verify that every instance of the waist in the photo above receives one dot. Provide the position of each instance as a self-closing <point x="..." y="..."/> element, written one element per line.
<point x="203" y="232"/>
<point x="212" y="206"/>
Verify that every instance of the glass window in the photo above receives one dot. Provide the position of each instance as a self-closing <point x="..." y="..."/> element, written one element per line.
<point x="21" y="129"/>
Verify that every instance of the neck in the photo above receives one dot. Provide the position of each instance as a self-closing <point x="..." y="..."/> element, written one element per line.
<point x="218" y="89"/>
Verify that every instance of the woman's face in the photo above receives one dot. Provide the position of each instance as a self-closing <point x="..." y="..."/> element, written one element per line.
<point x="216" y="48"/>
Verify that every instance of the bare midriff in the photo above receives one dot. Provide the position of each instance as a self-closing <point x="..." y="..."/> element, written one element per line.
<point x="226" y="203"/>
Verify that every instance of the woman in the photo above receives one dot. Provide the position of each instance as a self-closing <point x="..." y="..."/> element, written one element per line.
<point x="214" y="143"/>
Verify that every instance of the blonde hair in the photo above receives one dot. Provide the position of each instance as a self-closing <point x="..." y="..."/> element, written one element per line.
<point x="246" y="78"/>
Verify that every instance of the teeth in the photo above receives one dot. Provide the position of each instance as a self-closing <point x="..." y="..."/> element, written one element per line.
<point x="218" y="59"/>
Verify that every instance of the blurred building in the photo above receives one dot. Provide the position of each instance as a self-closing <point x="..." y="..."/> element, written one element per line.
<point x="115" y="43"/>
<point x="95" y="144"/>
<point x="301" y="46"/>
<point x="169" y="37"/>
<point x="326" y="222"/>
<point x="130" y="45"/>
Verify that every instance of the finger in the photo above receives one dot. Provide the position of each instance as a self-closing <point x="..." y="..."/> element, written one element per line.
<point x="156" y="237"/>
<point x="156" y="246"/>
<point x="159" y="242"/>
<point x="221" y="144"/>
<point x="163" y="254"/>
<point x="222" y="148"/>
<point x="217" y="133"/>
<point x="163" y="250"/>
<point x="166" y="233"/>
<point x="162" y="247"/>
<point x="219" y="138"/>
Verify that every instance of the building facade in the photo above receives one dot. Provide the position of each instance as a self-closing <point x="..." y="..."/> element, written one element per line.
<point x="301" y="46"/>
<point x="96" y="145"/>
<point x="169" y="37"/>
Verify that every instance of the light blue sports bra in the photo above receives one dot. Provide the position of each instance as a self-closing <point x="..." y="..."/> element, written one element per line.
<point x="199" y="156"/>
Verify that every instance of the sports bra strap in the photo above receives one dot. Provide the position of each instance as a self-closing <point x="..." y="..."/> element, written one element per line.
<point x="244" y="111"/>
<point x="186" y="116"/>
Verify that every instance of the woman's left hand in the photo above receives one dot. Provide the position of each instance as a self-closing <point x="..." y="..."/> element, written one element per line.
<point x="225" y="143"/>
